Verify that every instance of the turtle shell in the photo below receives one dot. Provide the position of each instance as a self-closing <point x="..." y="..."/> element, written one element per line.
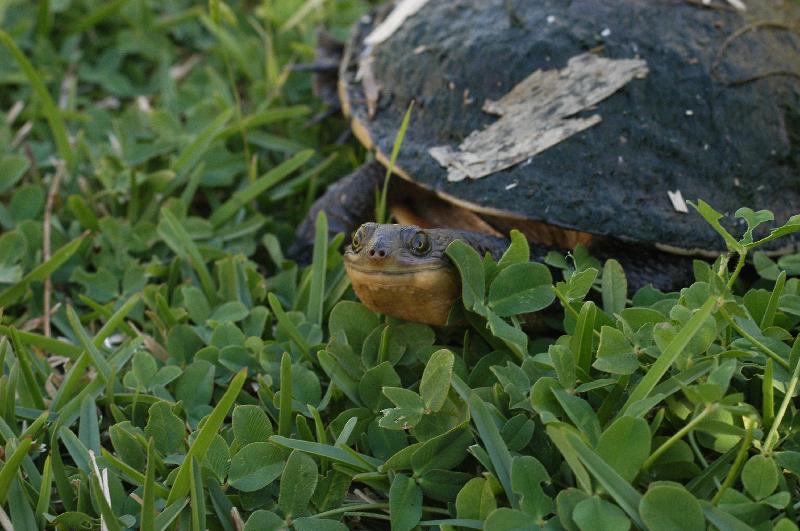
<point x="717" y="116"/>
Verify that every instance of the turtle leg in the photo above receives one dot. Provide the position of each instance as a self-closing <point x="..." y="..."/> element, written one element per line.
<point x="327" y="56"/>
<point x="347" y="203"/>
<point x="325" y="80"/>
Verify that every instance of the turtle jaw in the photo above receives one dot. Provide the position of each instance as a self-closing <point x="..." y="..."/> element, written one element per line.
<point x="421" y="294"/>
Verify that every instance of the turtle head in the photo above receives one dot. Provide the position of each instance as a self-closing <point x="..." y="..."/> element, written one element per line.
<point x="402" y="271"/>
<point x="398" y="247"/>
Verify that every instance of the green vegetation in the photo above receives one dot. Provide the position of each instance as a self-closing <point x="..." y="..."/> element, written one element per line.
<point x="163" y="366"/>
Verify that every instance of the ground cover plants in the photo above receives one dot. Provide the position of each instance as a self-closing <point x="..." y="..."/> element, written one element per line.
<point x="163" y="366"/>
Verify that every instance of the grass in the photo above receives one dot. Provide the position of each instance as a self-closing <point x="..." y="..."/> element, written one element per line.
<point x="188" y="376"/>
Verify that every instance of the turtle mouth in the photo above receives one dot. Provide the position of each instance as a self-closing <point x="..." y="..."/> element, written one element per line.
<point x="422" y="292"/>
<point x="392" y="270"/>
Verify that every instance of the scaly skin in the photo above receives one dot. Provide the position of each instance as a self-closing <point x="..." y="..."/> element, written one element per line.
<point x="402" y="271"/>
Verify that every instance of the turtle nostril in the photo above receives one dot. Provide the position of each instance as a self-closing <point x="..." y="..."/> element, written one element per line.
<point x="381" y="253"/>
<point x="372" y="252"/>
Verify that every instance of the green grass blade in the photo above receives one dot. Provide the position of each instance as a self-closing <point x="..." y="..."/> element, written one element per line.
<point x="5" y="349"/>
<point x="47" y="344"/>
<point x="109" y="518"/>
<point x="617" y="487"/>
<point x="701" y="484"/>
<point x="231" y="46"/>
<point x="285" y="408"/>
<point x="71" y="383"/>
<point x="32" y="386"/>
<point x="9" y="470"/>
<point x="147" y="519"/>
<point x="49" y="109"/>
<point x="287" y="325"/>
<point x="193" y="152"/>
<point x="582" y="338"/>
<point x="45" y="492"/>
<point x="63" y="484"/>
<point x="177" y="238"/>
<point x="19" y="505"/>
<point x="223" y="507"/>
<point x="339" y="376"/>
<point x="582" y="477"/>
<point x="449" y="523"/>
<point x="242" y="197"/>
<point x="169" y="514"/>
<point x="197" y="496"/>
<point x="98" y="15"/>
<point x="95" y="356"/>
<point x="670" y="354"/>
<point x="772" y="437"/>
<point x="44" y="19"/>
<point x="725" y="521"/>
<point x="213" y="422"/>
<point x="41" y="272"/>
<point x="116" y="320"/>
<point x="365" y="460"/>
<point x="9" y="396"/>
<point x="192" y="184"/>
<point x="494" y="444"/>
<point x="767" y="395"/>
<point x="381" y="208"/>
<point x="32" y="431"/>
<point x="330" y="452"/>
<point x="71" y="410"/>
<point x="774" y="298"/>
<point x="268" y="116"/>
<point x="213" y="10"/>
<point x="76" y="449"/>
<point x="83" y="213"/>
<point x="89" y="425"/>
<point x="316" y="294"/>
<point x="132" y="475"/>
<point x="675" y="383"/>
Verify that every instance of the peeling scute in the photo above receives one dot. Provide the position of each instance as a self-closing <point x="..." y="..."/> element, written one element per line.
<point x="534" y="115"/>
<point x="384" y="30"/>
<point x="370" y="85"/>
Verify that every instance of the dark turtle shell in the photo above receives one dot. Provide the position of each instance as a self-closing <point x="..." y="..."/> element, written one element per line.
<point x="717" y="116"/>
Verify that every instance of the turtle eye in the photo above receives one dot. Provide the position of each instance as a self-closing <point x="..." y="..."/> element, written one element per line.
<point x="357" y="240"/>
<point x="420" y="244"/>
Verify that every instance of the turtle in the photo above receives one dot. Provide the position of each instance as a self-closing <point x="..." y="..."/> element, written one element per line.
<point x="577" y="122"/>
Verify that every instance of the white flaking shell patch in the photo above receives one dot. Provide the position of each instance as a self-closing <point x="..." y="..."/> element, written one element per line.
<point x="384" y="30"/>
<point x="678" y="203"/>
<point x="534" y="115"/>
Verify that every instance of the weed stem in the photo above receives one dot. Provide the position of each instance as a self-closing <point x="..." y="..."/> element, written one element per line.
<point x="377" y="505"/>
<point x="679" y="435"/>
<point x="772" y="436"/>
<point x="758" y="344"/>
<point x="738" y="269"/>
<point x="737" y="464"/>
